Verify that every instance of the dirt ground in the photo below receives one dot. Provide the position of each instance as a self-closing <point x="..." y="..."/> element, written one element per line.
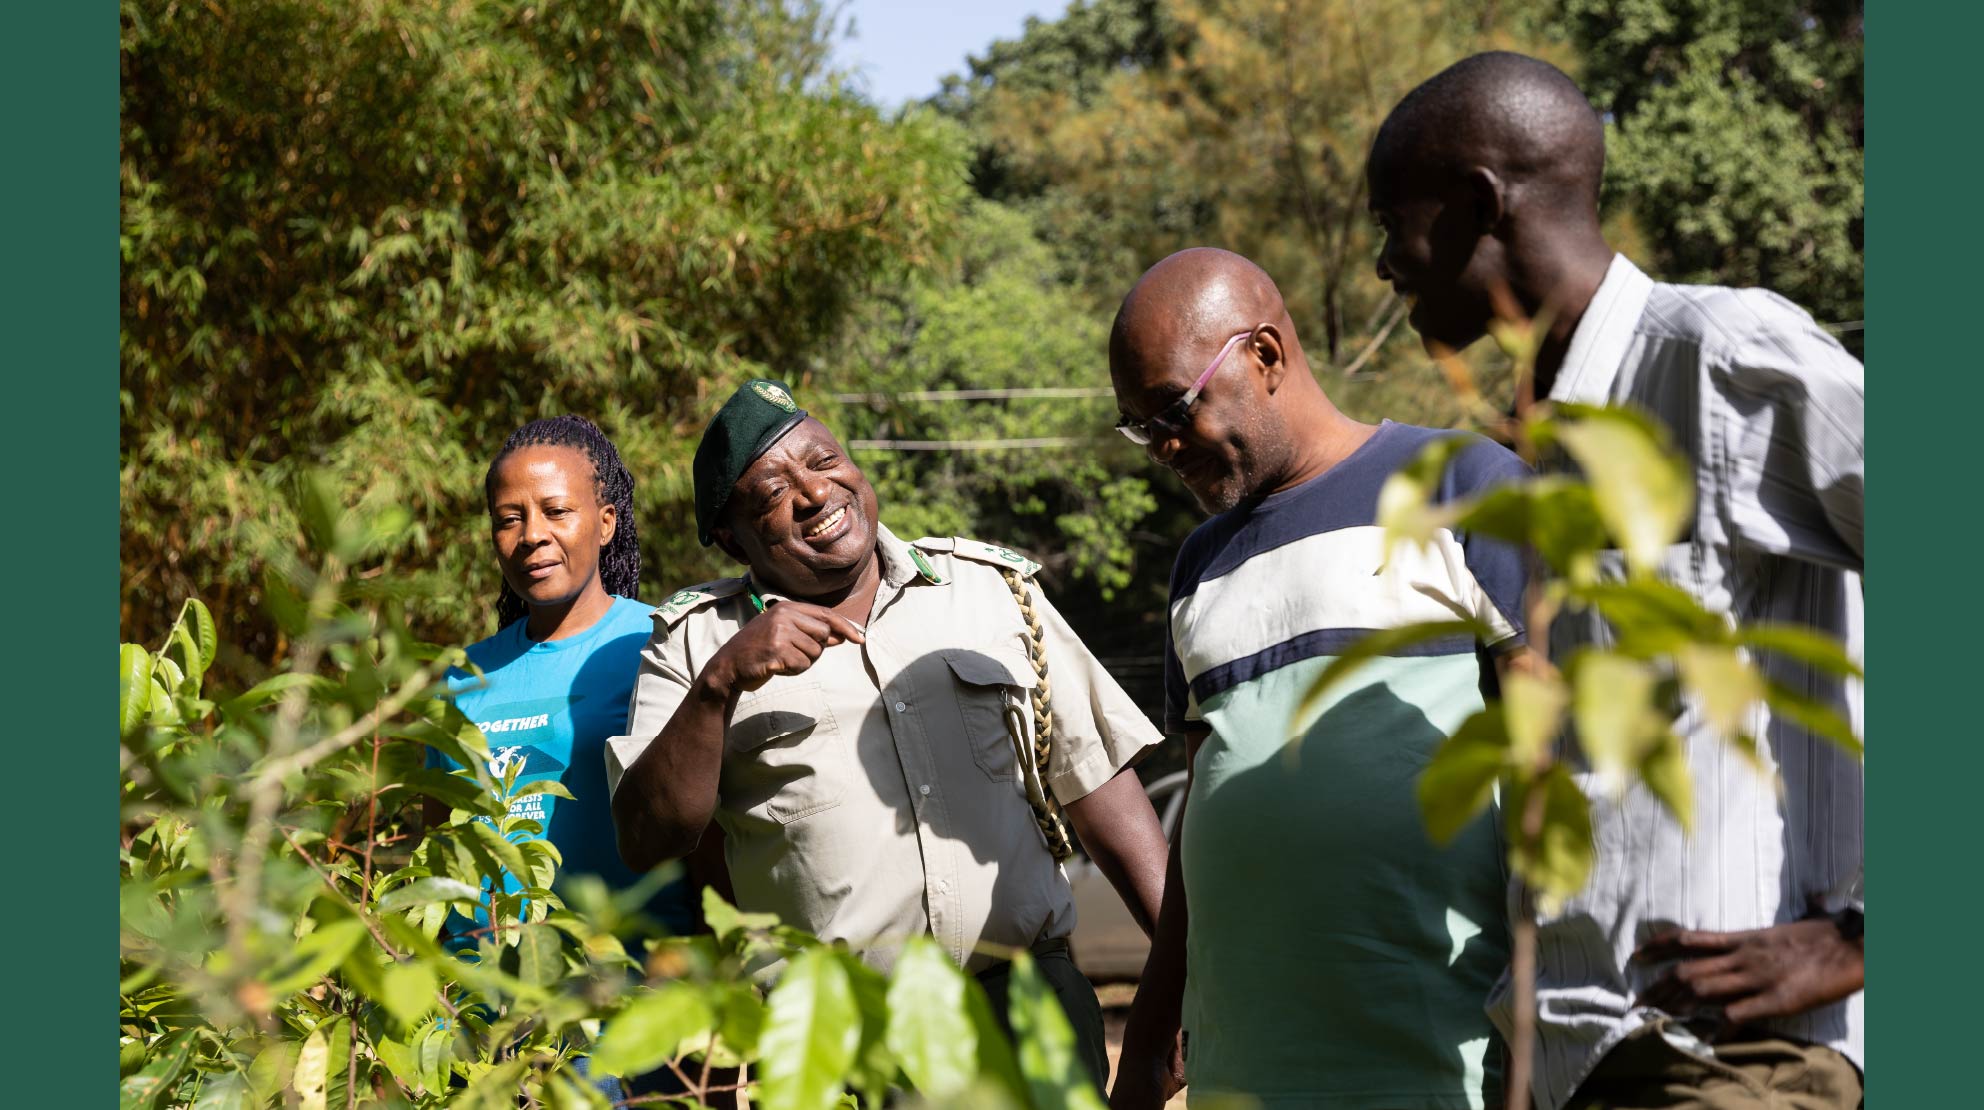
<point x="1115" y="999"/>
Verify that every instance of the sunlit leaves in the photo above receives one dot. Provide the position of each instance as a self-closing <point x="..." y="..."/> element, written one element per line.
<point x="811" y="1034"/>
<point x="648" y="1032"/>
<point x="1055" y="1076"/>
<point x="1549" y="835"/>
<point x="1460" y="780"/>
<point x="929" y="1030"/>
<point x="1644" y="492"/>
<point x="1614" y="709"/>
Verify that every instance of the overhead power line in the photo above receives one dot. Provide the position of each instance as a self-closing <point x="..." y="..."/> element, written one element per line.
<point x="969" y="444"/>
<point x="972" y="394"/>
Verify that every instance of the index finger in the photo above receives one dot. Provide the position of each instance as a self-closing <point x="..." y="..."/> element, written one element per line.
<point x="844" y="628"/>
<point x="838" y="628"/>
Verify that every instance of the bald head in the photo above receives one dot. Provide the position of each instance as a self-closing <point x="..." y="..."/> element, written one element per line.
<point x="1517" y="116"/>
<point x="1193" y="298"/>
<point x="1207" y="369"/>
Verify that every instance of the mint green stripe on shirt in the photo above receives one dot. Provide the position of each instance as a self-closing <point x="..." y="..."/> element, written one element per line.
<point x="1356" y="955"/>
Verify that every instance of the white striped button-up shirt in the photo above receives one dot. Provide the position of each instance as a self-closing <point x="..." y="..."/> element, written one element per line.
<point x="1770" y="410"/>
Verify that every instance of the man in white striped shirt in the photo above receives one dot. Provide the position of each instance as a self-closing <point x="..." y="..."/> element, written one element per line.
<point x="1722" y="968"/>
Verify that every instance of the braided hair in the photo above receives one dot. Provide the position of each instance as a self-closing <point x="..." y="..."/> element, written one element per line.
<point x="620" y="559"/>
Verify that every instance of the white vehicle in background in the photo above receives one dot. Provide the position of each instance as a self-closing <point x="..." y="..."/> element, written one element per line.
<point x="1107" y="944"/>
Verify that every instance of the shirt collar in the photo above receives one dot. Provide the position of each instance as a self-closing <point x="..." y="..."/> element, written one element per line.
<point x="898" y="567"/>
<point x="1604" y="334"/>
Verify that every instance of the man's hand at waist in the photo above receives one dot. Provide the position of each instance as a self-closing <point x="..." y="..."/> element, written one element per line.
<point x="1755" y="975"/>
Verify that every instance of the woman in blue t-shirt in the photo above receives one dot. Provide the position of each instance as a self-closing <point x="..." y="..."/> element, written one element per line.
<point x="557" y="676"/>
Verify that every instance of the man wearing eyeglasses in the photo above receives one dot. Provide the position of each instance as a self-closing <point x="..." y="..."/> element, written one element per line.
<point x="1335" y="956"/>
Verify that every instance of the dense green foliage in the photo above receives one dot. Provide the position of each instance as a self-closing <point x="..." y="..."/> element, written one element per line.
<point x="373" y="239"/>
<point x="362" y="242"/>
<point x="1737" y="131"/>
<point x="281" y="908"/>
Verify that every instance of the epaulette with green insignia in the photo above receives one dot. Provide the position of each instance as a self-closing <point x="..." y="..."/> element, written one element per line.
<point x="992" y="553"/>
<point x="682" y="602"/>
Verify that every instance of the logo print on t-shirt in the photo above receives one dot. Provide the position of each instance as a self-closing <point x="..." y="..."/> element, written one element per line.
<point x="528" y="760"/>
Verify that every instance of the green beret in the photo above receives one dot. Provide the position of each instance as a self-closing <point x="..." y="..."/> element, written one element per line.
<point x="744" y="428"/>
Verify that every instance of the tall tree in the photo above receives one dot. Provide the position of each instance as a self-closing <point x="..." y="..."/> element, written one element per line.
<point x="1738" y="132"/>
<point x="371" y="239"/>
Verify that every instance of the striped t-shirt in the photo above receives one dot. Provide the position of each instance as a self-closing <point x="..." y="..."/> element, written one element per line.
<point x="1336" y="957"/>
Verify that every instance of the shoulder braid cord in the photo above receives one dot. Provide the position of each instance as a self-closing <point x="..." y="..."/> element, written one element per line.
<point x="1033" y="762"/>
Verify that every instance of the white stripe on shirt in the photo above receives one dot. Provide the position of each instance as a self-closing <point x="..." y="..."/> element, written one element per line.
<point x="1771" y="411"/>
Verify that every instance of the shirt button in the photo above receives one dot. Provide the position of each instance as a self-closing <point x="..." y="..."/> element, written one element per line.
<point x="944" y="885"/>
<point x="900" y="706"/>
<point x="923" y="789"/>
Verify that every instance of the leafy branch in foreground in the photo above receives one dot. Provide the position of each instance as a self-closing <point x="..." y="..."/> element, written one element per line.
<point x="1599" y="541"/>
<point x="291" y="934"/>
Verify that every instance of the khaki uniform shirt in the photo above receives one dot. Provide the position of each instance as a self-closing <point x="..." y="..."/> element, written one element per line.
<point x="877" y="795"/>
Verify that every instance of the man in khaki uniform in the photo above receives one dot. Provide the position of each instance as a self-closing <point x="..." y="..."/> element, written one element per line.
<point x="841" y="712"/>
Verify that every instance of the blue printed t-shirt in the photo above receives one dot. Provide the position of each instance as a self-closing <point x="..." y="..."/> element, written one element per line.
<point x="1337" y="957"/>
<point x="547" y="708"/>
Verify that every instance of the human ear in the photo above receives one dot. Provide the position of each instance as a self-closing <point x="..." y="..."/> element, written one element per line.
<point x="609" y="523"/>
<point x="1489" y="196"/>
<point x="1269" y="353"/>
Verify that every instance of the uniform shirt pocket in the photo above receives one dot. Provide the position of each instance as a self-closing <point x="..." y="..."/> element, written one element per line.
<point x="782" y="754"/>
<point x="989" y="680"/>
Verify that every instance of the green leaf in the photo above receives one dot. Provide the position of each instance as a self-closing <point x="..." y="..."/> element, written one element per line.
<point x="566" y="1093"/>
<point x="314" y="956"/>
<point x="409" y="991"/>
<point x="649" y="1031"/>
<point x="875" y="1068"/>
<point x="998" y="1067"/>
<point x="420" y="892"/>
<point x="1405" y="507"/>
<point x="156" y="1079"/>
<point x="312" y="1075"/>
<point x="495" y="1089"/>
<point x="1665" y="772"/>
<point x="725" y="919"/>
<point x="543" y="786"/>
<point x="1613" y="704"/>
<point x="1375" y="645"/>
<point x="810" y="1035"/>
<point x="1532" y="713"/>
<point x="224" y="1091"/>
<point x="1055" y="1076"/>
<point x="929" y="1029"/>
<point x="1813" y="714"/>
<point x="1652" y="617"/>
<point x="1558" y="862"/>
<point x="742" y="1021"/>
<point x="134" y="687"/>
<point x="1644" y="491"/>
<point x="272" y="1068"/>
<point x="1460" y="780"/>
<point x="433" y="1055"/>
<point x="504" y="852"/>
<point x="398" y="1057"/>
<point x="140" y="910"/>
<point x="272" y="688"/>
<point x="539" y="956"/>
<point x="1806" y="645"/>
<point x="202" y="639"/>
<point x="1728" y="686"/>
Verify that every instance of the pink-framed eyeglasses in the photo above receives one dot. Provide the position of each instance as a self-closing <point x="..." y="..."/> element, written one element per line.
<point x="1171" y="422"/>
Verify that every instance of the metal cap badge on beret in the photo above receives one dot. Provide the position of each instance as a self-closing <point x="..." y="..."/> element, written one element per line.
<point x="745" y="427"/>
